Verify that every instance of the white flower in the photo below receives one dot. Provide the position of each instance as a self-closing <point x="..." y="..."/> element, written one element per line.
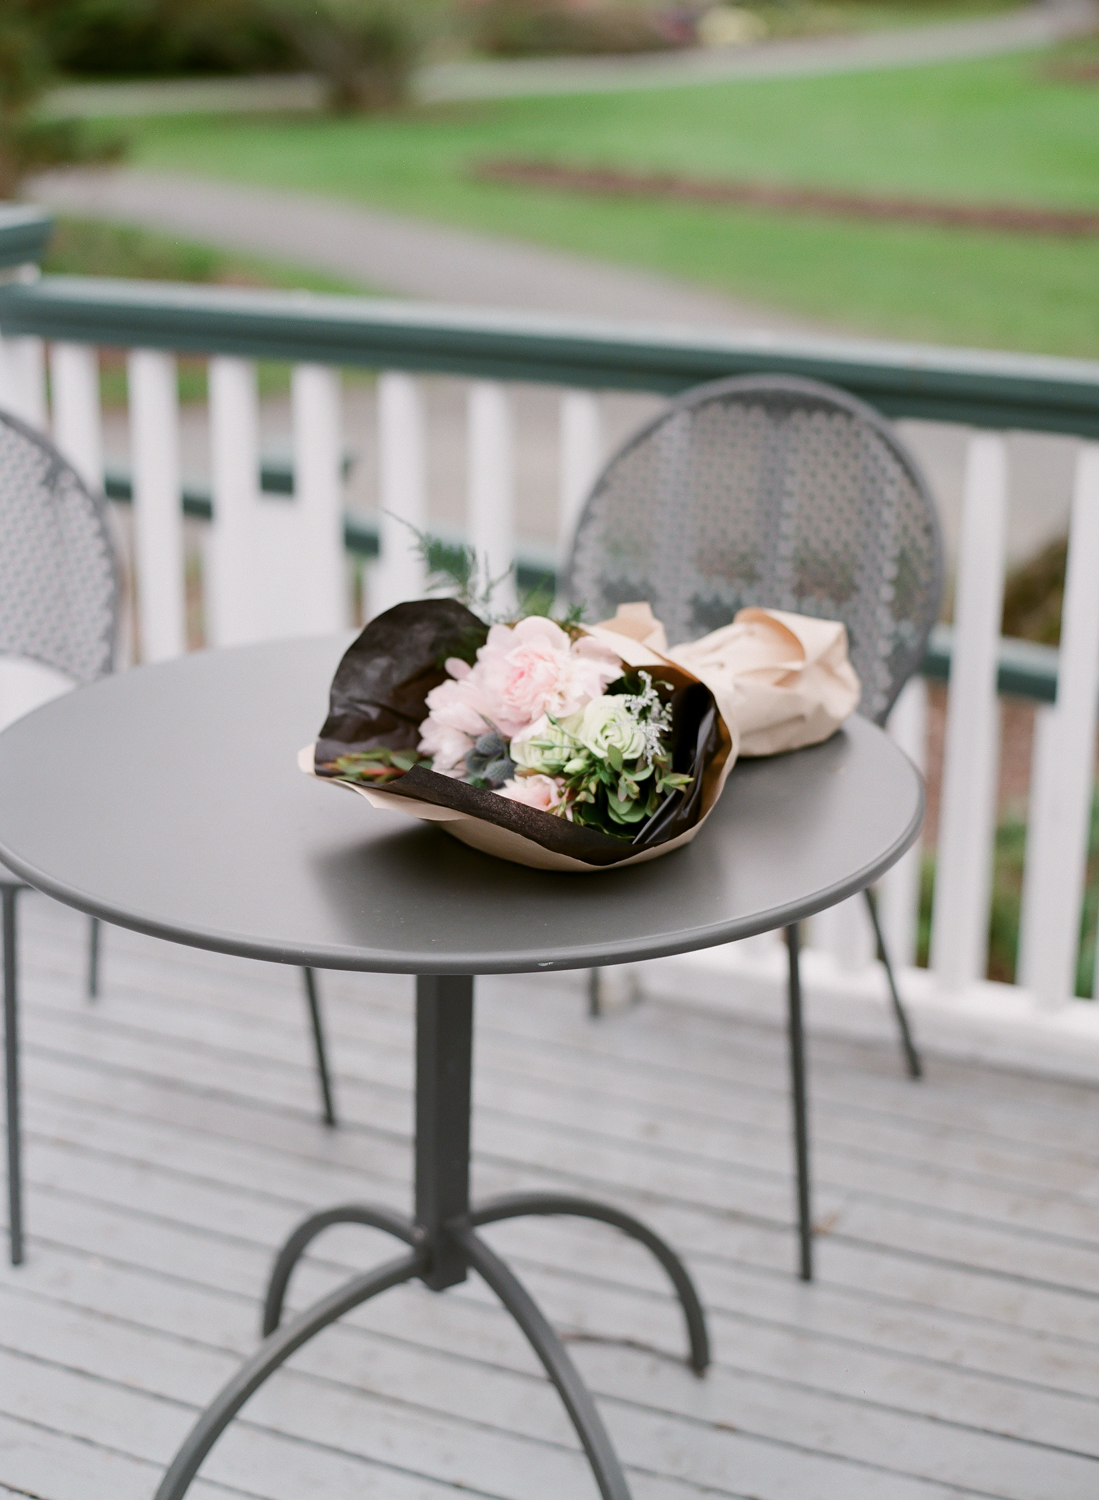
<point x="607" y="724"/>
<point x="548" y="745"/>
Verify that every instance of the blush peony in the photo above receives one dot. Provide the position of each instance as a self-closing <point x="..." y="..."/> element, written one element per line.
<point x="533" y="668"/>
<point x="522" y="673"/>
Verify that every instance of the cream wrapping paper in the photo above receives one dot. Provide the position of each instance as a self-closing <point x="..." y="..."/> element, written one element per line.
<point x="781" y="681"/>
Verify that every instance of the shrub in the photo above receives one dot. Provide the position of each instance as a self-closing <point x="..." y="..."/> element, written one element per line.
<point x="1034" y="593"/>
<point x="365" y="49"/>
<point x="526" y="28"/>
<point x="160" y="37"/>
<point x="25" y="73"/>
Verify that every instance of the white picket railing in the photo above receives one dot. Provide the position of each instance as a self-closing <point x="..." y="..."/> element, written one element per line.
<point x="279" y="568"/>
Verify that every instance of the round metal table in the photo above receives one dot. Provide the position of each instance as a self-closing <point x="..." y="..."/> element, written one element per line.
<point x="168" y="799"/>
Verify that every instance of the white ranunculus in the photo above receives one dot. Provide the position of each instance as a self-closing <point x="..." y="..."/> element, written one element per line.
<point x="607" y="724"/>
<point x="546" y="746"/>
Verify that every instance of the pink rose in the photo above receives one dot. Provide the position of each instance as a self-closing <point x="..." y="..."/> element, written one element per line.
<point x="447" y="747"/>
<point x="456" y="717"/>
<point x="522" y="673"/>
<point x="542" y="792"/>
<point x="532" y="668"/>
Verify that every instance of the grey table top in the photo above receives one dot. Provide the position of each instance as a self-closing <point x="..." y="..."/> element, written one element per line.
<point x="168" y="799"/>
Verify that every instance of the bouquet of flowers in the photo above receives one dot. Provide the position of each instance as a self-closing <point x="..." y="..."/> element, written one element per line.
<point x="566" y="746"/>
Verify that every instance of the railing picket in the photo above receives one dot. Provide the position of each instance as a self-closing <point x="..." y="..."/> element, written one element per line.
<point x="23" y="379"/>
<point x="402" y="489"/>
<point x="899" y="891"/>
<point x="320" y="572"/>
<point x="77" y="421"/>
<point x="1063" y="780"/>
<point x="845" y="933"/>
<point x="959" y="933"/>
<point x="234" y="462"/>
<point x="158" y="518"/>
<point x="581" y="459"/>
<point x="491" y="503"/>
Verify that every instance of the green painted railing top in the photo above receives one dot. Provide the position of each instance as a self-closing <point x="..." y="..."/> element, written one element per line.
<point x="955" y="385"/>
<point x="23" y="234"/>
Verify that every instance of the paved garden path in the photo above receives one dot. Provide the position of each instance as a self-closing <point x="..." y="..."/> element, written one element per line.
<point x="403" y="256"/>
<point x="908" y="46"/>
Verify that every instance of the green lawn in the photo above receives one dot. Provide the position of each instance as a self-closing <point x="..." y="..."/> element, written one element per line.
<point x="997" y="130"/>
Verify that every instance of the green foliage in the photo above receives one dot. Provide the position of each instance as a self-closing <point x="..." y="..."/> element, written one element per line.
<point x="616" y="792"/>
<point x="376" y="767"/>
<point x="1007" y="887"/>
<point x="365" y="49"/>
<point x="454" y="568"/>
<point x="1034" y="593"/>
<point x="88" y="247"/>
<point x="26" y="71"/>
<point x="159" y="37"/>
<point x="92" y="247"/>
<point x="521" y="28"/>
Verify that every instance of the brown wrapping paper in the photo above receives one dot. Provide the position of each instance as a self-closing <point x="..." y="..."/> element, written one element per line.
<point x="780" y="681"/>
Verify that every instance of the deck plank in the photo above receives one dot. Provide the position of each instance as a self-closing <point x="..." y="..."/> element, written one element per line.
<point x="949" y="1348"/>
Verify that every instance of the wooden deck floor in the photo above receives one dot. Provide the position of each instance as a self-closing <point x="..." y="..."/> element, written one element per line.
<point x="949" y="1348"/>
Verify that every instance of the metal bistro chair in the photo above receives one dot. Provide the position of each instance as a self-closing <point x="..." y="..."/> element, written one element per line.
<point x="59" y="603"/>
<point x="779" y="492"/>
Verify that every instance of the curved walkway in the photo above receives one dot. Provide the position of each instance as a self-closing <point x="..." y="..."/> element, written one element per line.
<point x="387" y="252"/>
<point x="1037" y="25"/>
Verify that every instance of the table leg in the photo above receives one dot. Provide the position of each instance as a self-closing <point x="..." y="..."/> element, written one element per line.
<point x="444" y="1245"/>
<point x="519" y="1205"/>
<point x="272" y="1353"/>
<point x="444" y="1073"/>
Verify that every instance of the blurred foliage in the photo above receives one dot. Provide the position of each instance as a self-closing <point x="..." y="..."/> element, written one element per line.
<point x="86" y="247"/>
<point x="365" y="49"/>
<point x="26" y="71"/>
<point x="1007" y="889"/>
<point x="159" y="37"/>
<point x="1034" y="593"/>
<point x="90" y="247"/>
<point x="518" y="28"/>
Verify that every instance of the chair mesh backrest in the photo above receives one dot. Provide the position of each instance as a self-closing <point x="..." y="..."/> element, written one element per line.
<point x="58" y="577"/>
<point x="774" y="492"/>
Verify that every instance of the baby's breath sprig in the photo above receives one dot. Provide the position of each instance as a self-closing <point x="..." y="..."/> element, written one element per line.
<point x="652" y="716"/>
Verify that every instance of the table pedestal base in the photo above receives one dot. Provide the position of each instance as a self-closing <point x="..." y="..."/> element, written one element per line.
<point x="443" y="1245"/>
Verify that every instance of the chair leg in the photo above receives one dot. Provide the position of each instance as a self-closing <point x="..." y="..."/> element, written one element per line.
<point x="11" y="1075"/>
<point x="911" y="1055"/>
<point x="93" y="958"/>
<point x="323" y="1076"/>
<point x="801" y="1106"/>
<point x="595" y="993"/>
